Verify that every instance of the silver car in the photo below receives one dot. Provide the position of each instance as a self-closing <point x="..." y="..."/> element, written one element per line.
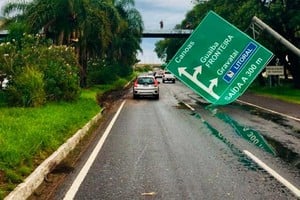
<point x="146" y="85"/>
<point x="167" y="76"/>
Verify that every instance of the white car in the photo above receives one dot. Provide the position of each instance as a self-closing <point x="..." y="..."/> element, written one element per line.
<point x="146" y="85"/>
<point x="168" y="76"/>
<point x="159" y="74"/>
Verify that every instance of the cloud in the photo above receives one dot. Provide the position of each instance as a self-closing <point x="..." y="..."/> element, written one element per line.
<point x="153" y="11"/>
<point x="171" y="12"/>
<point x="172" y="4"/>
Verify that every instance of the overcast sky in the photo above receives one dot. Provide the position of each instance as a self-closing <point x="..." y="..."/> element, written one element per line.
<point x="171" y="12"/>
<point x="2" y="2"/>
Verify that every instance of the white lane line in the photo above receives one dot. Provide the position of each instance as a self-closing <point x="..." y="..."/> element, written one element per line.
<point x="82" y="174"/>
<point x="189" y="106"/>
<point x="272" y="111"/>
<point x="282" y="180"/>
<point x="273" y="173"/>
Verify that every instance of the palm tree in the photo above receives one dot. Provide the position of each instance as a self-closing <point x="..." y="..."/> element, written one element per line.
<point x="91" y="24"/>
<point x="98" y="23"/>
<point x="127" y="43"/>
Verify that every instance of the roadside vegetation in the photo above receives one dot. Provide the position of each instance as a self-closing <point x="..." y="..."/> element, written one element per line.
<point x="59" y="58"/>
<point x="30" y="135"/>
<point x="285" y="92"/>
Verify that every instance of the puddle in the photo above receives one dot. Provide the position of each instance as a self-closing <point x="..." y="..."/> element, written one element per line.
<point x="240" y="155"/>
<point x="284" y="153"/>
<point x="251" y="135"/>
<point x="180" y="105"/>
<point x="265" y="115"/>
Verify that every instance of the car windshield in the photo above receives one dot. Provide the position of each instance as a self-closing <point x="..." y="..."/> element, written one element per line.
<point x="145" y="80"/>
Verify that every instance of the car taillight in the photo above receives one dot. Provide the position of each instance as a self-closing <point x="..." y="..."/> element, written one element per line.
<point x="155" y="83"/>
<point x="135" y="84"/>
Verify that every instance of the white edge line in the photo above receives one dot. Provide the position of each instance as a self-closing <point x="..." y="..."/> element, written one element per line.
<point x="272" y="111"/>
<point x="190" y="107"/>
<point x="33" y="181"/>
<point x="282" y="180"/>
<point x="82" y="174"/>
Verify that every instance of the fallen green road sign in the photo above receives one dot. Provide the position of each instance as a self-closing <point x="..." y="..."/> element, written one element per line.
<point x="218" y="61"/>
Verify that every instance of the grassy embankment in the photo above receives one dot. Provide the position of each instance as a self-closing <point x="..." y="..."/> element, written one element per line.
<point x="28" y="135"/>
<point x="283" y="92"/>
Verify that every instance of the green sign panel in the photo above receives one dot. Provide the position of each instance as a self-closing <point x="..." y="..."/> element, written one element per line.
<point x="218" y="61"/>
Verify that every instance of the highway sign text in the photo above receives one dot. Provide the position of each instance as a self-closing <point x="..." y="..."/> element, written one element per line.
<point x="219" y="63"/>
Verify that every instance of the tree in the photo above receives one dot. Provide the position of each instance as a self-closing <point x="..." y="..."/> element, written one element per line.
<point x="127" y="43"/>
<point x="166" y="49"/>
<point x="282" y="16"/>
<point x="87" y="24"/>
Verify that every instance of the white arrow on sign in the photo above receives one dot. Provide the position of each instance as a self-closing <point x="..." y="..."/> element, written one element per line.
<point x="213" y="82"/>
<point x="198" y="70"/>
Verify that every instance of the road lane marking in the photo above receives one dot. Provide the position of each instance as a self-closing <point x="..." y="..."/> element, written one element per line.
<point x="282" y="180"/>
<point x="189" y="106"/>
<point x="83" y="172"/>
<point x="272" y="172"/>
<point x="272" y="111"/>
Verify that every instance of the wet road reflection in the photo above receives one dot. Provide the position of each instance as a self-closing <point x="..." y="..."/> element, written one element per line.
<point x="251" y="135"/>
<point x="240" y="155"/>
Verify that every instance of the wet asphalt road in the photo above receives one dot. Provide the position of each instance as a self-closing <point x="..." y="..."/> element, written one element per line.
<point x="160" y="149"/>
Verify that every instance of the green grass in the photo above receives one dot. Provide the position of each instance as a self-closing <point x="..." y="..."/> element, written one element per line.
<point x="284" y="92"/>
<point x="28" y="135"/>
<point x="28" y="132"/>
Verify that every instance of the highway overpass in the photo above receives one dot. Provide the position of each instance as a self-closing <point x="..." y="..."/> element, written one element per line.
<point x="162" y="33"/>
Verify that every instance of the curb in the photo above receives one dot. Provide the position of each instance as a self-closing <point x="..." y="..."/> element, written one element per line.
<point x="33" y="181"/>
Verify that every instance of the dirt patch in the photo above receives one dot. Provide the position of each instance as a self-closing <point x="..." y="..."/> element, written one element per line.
<point x="2" y="176"/>
<point x="106" y="99"/>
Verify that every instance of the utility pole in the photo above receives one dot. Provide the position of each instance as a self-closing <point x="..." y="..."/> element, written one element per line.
<point x="263" y="26"/>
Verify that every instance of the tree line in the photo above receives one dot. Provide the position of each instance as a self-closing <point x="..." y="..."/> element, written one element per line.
<point x="104" y="36"/>
<point x="281" y="15"/>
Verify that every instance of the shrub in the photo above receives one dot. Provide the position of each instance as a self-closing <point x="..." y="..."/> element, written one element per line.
<point x="120" y="83"/>
<point x="55" y="69"/>
<point x="2" y="193"/>
<point x="123" y="70"/>
<point x="60" y="73"/>
<point x="104" y="73"/>
<point x="99" y="73"/>
<point x="27" y="89"/>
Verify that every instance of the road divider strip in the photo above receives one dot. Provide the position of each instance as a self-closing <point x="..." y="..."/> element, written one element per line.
<point x="273" y="173"/>
<point x="83" y="172"/>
